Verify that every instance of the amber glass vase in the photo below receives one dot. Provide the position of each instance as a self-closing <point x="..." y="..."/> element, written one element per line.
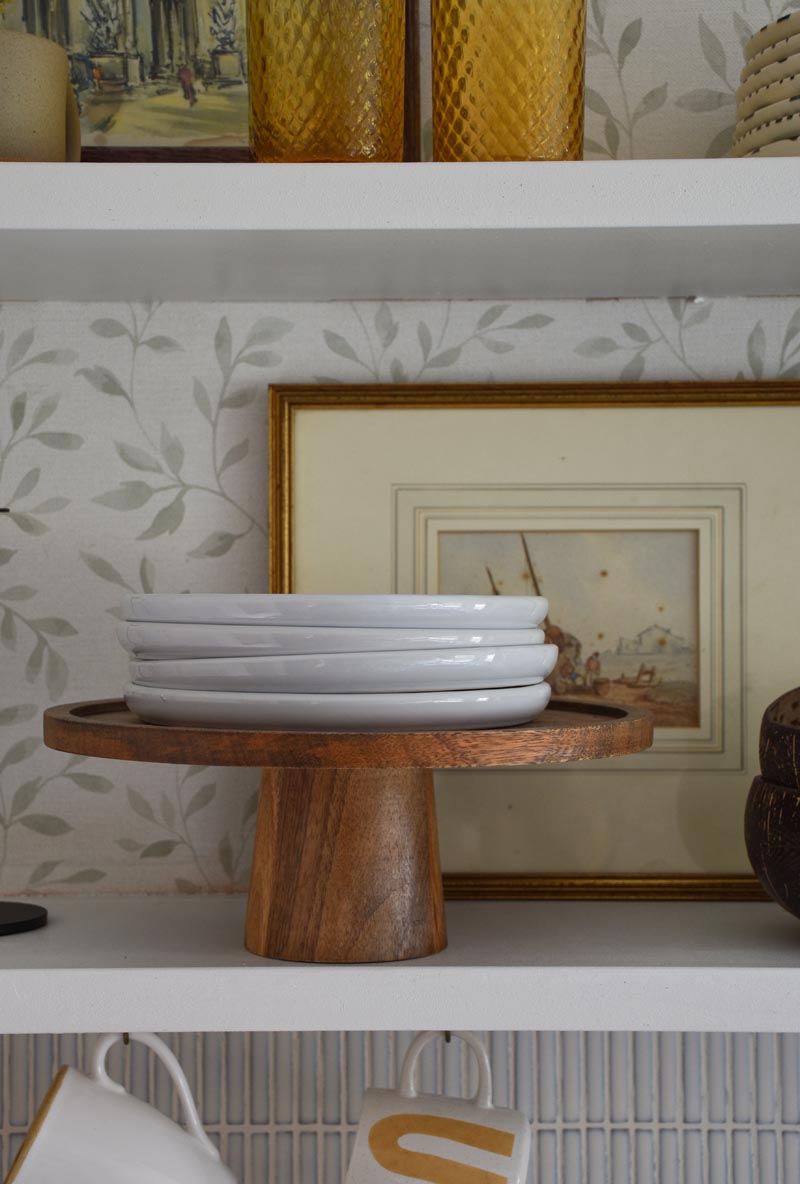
<point x="508" y="79"/>
<point x="326" y="79"/>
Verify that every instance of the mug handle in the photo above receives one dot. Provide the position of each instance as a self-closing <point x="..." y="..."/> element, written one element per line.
<point x="167" y="1057"/>
<point x="483" y="1097"/>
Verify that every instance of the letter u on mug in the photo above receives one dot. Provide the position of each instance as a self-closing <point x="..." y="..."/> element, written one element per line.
<point x="403" y="1135"/>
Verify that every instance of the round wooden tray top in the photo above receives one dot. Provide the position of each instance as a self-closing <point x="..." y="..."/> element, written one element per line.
<point x="346" y="854"/>
<point x="567" y="731"/>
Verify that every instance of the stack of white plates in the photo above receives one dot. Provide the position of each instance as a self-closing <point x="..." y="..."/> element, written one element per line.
<point x="337" y="663"/>
<point x="768" y="101"/>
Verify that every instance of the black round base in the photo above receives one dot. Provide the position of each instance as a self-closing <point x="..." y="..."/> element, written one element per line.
<point x="19" y="918"/>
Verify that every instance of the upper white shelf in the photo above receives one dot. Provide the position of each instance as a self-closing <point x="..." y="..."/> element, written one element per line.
<point x="177" y="964"/>
<point x="403" y="231"/>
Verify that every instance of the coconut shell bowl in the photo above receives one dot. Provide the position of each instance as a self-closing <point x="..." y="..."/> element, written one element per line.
<point x="772" y="815"/>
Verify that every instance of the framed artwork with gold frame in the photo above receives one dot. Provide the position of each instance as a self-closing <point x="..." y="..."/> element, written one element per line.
<point x="657" y="518"/>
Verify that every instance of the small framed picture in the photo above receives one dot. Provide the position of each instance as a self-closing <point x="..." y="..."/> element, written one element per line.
<point x="656" y="518"/>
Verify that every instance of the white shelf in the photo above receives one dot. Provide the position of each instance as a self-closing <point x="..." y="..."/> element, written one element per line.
<point x="285" y="232"/>
<point x="177" y="964"/>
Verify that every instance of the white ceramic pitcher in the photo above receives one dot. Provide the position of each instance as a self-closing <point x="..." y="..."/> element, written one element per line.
<point x="89" y="1130"/>
<point x="404" y="1135"/>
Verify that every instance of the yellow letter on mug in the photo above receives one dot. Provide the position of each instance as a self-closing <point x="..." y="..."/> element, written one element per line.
<point x="384" y="1143"/>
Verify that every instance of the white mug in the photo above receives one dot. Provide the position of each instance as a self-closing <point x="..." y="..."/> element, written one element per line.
<point x="89" y="1130"/>
<point x="403" y="1135"/>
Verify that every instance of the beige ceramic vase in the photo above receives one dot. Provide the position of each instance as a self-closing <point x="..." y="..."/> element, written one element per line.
<point x="38" y="112"/>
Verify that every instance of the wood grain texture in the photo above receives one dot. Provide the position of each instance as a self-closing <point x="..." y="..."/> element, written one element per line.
<point x="63" y="728"/>
<point x="772" y="835"/>
<point x="346" y="859"/>
<point x="567" y="731"/>
<point x="346" y="867"/>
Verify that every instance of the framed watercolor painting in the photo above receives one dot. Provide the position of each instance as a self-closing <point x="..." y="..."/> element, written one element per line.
<point x="160" y="80"/>
<point x="150" y="76"/>
<point x="657" y="519"/>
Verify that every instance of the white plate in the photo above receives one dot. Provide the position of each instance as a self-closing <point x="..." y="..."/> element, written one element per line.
<point x="396" y="611"/>
<point x="165" y="640"/>
<point x="334" y="674"/>
<point x="425" y="712"/>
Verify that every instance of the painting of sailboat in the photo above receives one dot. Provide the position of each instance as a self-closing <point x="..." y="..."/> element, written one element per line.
<point x="624" y="608"/>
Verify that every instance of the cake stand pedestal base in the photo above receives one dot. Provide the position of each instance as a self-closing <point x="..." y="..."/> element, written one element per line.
<point x="346" y="867"/>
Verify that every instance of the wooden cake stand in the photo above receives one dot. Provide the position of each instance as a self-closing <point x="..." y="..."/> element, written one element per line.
<point x="346" y="857"/>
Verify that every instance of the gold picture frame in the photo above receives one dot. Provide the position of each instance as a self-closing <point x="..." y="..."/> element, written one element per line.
<point x="288" y="403"/>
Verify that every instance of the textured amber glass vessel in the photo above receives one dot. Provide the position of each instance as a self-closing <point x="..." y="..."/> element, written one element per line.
<point x="508" y="79"/>
<point x="326" y="79"/>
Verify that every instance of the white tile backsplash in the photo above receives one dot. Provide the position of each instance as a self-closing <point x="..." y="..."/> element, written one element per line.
<point x="606" y="1108"/>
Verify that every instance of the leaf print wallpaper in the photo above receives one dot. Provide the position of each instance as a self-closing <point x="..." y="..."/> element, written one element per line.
<point x="133" y="456"/>
<point x="661" y="79"/>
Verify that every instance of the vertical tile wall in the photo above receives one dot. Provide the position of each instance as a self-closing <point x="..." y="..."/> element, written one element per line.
<point x="606" y="1108"/>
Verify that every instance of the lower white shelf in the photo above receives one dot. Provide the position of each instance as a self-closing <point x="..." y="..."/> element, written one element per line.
<point x="174" y="963"/>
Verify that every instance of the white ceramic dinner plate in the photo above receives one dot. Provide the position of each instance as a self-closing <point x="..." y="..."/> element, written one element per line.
<point x="431" y="711"/>
<point x="164" y="640"/>
<point x="333" y="674"/>
<point x="395" y="611"/>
